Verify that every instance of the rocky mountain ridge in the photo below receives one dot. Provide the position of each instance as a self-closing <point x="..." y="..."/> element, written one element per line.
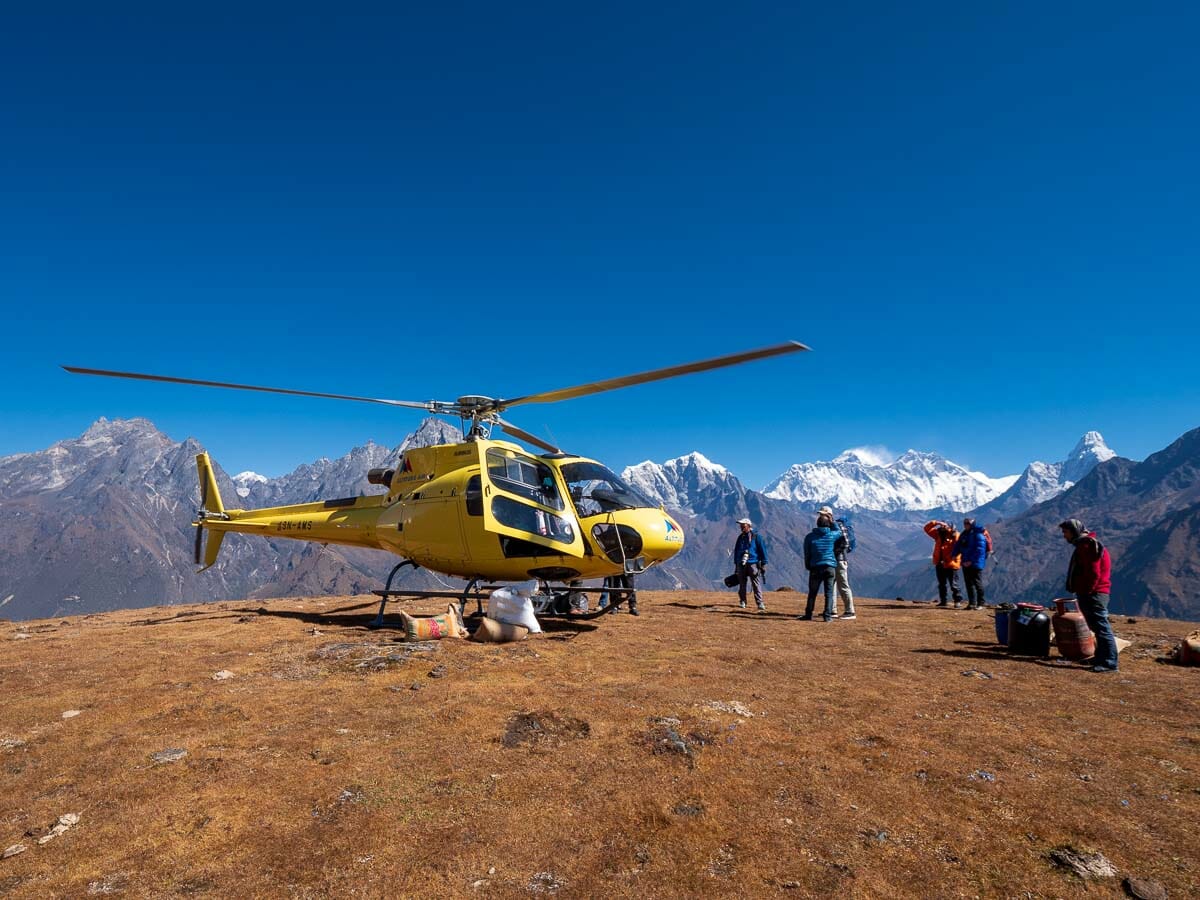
<point x="1041" y="481"/>
<point x="103" y="521"/>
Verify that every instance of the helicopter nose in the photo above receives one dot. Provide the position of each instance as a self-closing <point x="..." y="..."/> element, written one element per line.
<point x="662" y="536"/>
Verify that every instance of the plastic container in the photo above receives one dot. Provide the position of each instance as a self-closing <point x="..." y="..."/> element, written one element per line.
<point x="1071" y="633"/>
<point x="1002" y="623"/>
<point x="1028" y="630"/>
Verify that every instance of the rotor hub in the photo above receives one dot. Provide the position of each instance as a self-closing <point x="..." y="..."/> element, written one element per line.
<point x="474" y="404"/>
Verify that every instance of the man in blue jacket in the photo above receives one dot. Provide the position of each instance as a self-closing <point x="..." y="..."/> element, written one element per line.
<point x="820" y="558"/>
<point x="975" y="545"/>
<point x="750" y="557"/>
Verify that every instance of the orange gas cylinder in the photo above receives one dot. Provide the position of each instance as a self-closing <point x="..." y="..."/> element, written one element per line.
<point x="1075" y="640"/>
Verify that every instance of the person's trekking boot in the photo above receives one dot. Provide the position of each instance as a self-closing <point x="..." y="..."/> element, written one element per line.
<point x="633" y="610"/>
<point x="741" y="604"/>
<point x="943" y="605"/>
<point x="1101" y="669"/>
<point x="804" y="618"/>
<point x="762" y="607"/>
<point x="849" y="615"/>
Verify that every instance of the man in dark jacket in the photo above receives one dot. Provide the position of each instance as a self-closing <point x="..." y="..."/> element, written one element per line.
<point x="750" y="557"/>
<point x="1089" y="578"/>
<point x="974" y="545"/>
<point x="820" y="558"/>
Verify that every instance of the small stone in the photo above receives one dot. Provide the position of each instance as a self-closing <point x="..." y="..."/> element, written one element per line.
<point x="223" y="675"/>
<point x="491" y="870"/>
<point x="1085" y="865"/>
<point x="20" y="636"/>
<point x="1144" y="889"/>
<point x="440" y="672"/>
<point x="730" y="706"/>
<point x="69" y="819"/>
<point x="416" y="686"/>
<point x="14" y="850"/>
<point x="545" y="883"/>
<point x="170" y="755"/>
<point x="70" y="714"/>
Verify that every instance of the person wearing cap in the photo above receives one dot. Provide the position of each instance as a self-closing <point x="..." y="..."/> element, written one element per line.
<point x="974" y="545"/>
<point x="820" y="558"/>
<point x="750" y="557"/>
<point x="946" y="561"/>
<point x="1089" y="578"/>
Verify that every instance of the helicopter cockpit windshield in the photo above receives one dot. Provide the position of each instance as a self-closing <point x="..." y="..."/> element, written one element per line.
<point x="596" y="489"/>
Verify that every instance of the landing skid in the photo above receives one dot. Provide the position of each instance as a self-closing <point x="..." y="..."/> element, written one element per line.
<point x="473" y="591"/>
<point x="558" y="607"/>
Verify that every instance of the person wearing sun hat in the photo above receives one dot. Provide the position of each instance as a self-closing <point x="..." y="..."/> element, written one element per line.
<point x="750" y="557"/>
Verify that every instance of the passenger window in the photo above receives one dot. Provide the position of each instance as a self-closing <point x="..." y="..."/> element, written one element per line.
<point x="474" y="496"/>
<point x="523" y="476"/>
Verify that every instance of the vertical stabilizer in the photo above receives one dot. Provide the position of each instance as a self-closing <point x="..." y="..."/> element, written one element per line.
<point x="210" y="497"/>
<point x="210" y="506"/>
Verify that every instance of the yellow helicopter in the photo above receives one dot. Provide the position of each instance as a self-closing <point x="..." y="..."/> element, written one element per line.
<point x="484" y="510"/>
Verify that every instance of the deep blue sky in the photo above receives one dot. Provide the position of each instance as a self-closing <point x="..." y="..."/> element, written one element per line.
<point x="985" y="223"/>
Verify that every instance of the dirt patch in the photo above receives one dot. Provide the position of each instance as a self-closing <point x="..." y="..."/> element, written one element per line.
<point x="367" y="657"/>
<point x="544" y="730"/>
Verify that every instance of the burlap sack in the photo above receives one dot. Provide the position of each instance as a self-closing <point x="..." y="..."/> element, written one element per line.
<point x="1189" y="649"/>
<point x="492" y="632"/>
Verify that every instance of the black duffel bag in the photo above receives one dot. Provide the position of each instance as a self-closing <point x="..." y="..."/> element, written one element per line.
<point x="732" y="580"/>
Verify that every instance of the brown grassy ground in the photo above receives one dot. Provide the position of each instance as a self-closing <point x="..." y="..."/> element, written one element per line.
<point x="865" y="770"/>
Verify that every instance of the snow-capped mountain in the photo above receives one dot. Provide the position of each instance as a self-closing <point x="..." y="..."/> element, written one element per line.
<point x="244" y="480"/>
<point x="687" y="483"/>
<point x="862" y="480"/>
<point x="1041" y="481"/>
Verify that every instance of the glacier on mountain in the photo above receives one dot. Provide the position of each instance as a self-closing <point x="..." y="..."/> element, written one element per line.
<point x="855" y="479"/>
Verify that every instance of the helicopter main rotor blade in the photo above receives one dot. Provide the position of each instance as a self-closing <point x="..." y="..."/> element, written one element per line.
<point x="612" y="384"/>
<point x="430" y="405"/>
<point x="523" y="435"/>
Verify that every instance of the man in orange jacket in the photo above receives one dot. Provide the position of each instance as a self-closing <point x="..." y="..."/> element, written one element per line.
<point x="946" y="561"/>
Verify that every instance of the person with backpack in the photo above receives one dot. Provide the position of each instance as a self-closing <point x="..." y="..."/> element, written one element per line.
<point x="841" y="549"/>
<point x="974" y="545"/>
<point x="1089" y="578"/>
<point x="820" y="558"/>
<point x="750" y="557"/>
<point x="946" y="561"/>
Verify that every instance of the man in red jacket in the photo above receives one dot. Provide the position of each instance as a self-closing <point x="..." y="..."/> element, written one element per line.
<point x="1089" y="578"/>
